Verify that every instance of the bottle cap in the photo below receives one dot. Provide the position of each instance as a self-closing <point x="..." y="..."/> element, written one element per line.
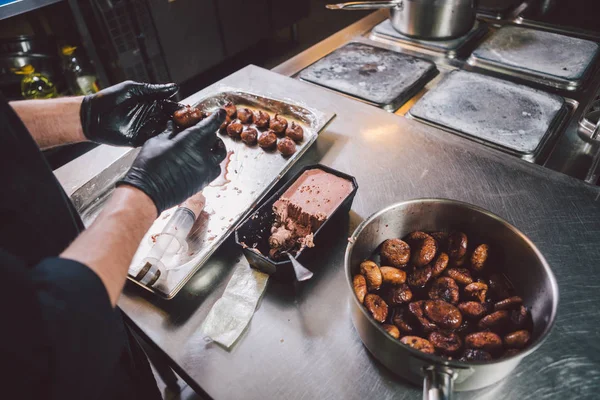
<point x="68" y="50"/>
<point x="24" y="70"/>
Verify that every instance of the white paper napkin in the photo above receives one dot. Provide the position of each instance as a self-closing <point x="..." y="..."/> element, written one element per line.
<point x="231" y="314"/>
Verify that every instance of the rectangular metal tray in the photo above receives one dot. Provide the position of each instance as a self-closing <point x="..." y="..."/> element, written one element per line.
<point x="355" y="68"/>
<point x="467" y="81"/>
<point x="252" y="173"/>
<point x="508" y="51"/>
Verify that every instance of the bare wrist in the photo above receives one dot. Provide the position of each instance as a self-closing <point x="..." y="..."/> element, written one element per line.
<point x="80" y="134"/>
<point x="52" y="122"/>
<point x="132" y="197"/>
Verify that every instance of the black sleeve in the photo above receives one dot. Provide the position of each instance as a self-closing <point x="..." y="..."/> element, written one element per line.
<point x="60" y="335"/>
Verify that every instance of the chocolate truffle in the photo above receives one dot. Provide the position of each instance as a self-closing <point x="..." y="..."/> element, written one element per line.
<point x="295" y="132"/>
<point x="261" y="119"/>
<point x="249" y="136"/>
<point x="278" y="124"/>
<point x="187" y="116"/>
<point x="267" y="140"/>
<point x="245" y="115"/>
<point x="230" y="110"/>
<point x="234" y="129"/>
<point x="225" y="124"/>
<point x="286" y="147"/>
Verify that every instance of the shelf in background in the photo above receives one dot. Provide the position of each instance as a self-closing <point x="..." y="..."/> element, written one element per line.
<point x="10" y="8"/>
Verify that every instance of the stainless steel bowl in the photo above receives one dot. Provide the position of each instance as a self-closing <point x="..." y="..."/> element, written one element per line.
<point x="423" y="19"/>
<point x="523" y="264"/>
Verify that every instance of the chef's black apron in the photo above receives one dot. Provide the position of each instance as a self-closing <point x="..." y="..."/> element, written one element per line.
<point x="59" y="336"/>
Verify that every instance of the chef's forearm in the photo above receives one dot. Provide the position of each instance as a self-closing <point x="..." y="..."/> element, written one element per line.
<point x="52" y="122"/>
<point x="108" y="246"/>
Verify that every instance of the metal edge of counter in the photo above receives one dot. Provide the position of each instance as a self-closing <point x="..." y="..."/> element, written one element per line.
<point x="84" y="168"/>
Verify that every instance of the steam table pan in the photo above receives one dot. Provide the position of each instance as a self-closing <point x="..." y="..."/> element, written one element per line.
<point x="251" y="174"/>
<point x="377" y="76"/>
<point x="547" y="58"/>
<point x="514" y="118"/>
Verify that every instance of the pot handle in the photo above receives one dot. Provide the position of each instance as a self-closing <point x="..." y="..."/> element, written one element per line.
<point x="438" y="383"/>
<point x="365" y="5"/>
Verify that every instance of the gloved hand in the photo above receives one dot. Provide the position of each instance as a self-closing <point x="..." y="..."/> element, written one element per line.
<point x="126" y="114"/>
<point x="172" y="169"/>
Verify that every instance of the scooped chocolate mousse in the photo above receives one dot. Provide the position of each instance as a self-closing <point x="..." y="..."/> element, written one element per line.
<point x="303" y="208"/>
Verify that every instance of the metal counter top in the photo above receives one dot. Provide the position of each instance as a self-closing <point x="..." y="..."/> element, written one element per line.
<point x="572" y="151"/>
<point x="301" y="343"/>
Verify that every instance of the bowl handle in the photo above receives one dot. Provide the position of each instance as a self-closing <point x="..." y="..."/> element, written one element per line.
<point x="438" y="383"/>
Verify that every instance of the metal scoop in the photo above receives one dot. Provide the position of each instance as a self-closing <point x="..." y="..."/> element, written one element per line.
<point x="302" y="274"/>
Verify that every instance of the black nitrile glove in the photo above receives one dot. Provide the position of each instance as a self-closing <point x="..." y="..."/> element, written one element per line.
<point x="126" y="114"/>
<point x="172" y="169"/>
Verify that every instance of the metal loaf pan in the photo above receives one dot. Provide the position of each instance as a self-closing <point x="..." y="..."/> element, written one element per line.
<point x="253" y="234"/>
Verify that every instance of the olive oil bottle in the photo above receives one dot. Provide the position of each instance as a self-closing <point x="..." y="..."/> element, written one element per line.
<point x="79" y="74"/>
<point x="35" y="85"/>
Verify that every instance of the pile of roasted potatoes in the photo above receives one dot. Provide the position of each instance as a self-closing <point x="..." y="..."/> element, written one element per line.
<point x="441" y="294"/>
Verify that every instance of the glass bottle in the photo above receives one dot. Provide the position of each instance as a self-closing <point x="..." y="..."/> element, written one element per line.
<point x="35" y="85"/>
<point x="80" y="76"/>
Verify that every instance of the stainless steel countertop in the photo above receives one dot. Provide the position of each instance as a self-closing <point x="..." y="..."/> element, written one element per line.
<point x="570" y="151"/>
<point x="301" y="343"/>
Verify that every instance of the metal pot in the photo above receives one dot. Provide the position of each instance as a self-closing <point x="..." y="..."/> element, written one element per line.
<point x="423" y="19"/>
<point x="25" y="44"/>
<point x="524" y="265"/>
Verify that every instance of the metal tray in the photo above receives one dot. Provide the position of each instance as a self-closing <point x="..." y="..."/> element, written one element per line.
<point x="460" y="92"/>
<point x="372" y="74"/>
<point x="255" y="230"/>
<point x="546" y="58"/>
<point x="252" y="173"/>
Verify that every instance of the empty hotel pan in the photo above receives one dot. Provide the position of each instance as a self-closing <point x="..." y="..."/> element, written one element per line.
<point x="523" y="264"/>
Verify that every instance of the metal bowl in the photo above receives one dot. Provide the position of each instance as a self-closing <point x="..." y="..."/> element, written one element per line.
<point x="523" y="264"/>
